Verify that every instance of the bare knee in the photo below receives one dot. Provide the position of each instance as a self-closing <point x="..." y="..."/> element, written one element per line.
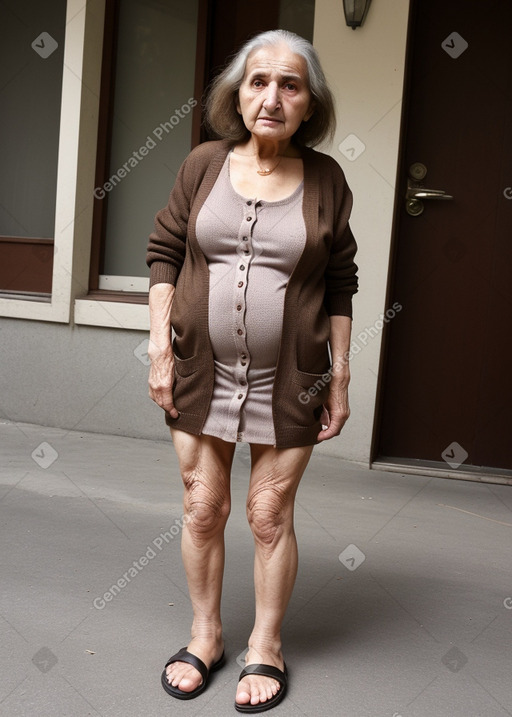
<point x="207" y="503"/>
<point x="269" y="514"/>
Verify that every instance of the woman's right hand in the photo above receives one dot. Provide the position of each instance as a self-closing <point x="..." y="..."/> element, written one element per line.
<point x="161" y="377"/>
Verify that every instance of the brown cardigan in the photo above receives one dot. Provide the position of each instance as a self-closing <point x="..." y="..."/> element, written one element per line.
<point x="321" y="284"/>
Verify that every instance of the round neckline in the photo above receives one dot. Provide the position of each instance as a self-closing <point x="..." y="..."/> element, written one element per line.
<point x="255" y="200"/>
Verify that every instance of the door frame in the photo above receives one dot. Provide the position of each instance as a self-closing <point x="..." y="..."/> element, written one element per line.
<point x="406" y="465"/>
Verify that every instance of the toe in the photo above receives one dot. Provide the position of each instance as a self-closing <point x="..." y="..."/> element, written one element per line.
<point x="170" y="675"/>
<point x="243" y="693"/>
<point x="271" y="689"/>
<point x="266" y="691"/>
<point x="187" y="684"/>
<point x="183" y="676"/>
<point x="259" y="695"/>
<point x="256" y="690"/>
<point x="256" y="699"/>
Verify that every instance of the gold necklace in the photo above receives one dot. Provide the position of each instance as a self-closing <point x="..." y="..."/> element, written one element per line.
<point x="265" y="172"/>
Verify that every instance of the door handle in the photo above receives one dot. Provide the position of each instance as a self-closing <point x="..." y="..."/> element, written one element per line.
<point x="416" y="193"/>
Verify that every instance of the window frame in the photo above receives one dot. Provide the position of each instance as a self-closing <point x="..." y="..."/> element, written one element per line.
<point x="82" y="158"/>
<point x="122" y="307"/>
<point x="98" y="281"/>
<point x="75" y="171"/>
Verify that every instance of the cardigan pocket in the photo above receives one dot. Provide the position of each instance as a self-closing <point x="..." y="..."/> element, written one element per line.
<point x="186" y="367"/>
<point x="312" y="392"/>
<point x="187" y="390"/>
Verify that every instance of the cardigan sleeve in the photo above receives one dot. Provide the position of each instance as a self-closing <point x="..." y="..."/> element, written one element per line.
<point x="341" y="280"/>
<point x="166" y="248"/>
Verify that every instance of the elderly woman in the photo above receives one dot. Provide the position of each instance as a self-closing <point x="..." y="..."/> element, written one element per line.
<point x="252" y="266"/>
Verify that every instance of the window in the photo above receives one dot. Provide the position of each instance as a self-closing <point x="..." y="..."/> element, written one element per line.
<point x="151" y="121"/>
<point x="32" y="53"/>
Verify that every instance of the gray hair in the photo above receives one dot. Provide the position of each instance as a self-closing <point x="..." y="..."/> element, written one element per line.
<point x="222" y="116"/>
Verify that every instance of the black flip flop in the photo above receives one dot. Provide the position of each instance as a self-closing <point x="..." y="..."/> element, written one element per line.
<point x="264" y="671"/>
<point x="185" y="656"/>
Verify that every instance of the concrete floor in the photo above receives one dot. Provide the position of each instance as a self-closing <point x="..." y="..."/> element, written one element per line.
<point x="414" y="619"/>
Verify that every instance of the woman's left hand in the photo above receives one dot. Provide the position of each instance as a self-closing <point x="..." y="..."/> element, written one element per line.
<point x="336" y="409"/>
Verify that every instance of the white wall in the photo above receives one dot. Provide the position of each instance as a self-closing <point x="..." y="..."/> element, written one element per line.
<point x="365" y="68"/>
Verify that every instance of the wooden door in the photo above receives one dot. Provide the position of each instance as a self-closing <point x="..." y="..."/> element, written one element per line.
<point x="446" y="380"/>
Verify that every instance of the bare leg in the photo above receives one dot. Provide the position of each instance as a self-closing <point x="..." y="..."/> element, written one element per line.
<point x="205" y="464"/>
<point x="275" y="477"/>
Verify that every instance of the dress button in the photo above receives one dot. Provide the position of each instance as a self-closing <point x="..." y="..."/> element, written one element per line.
<point x="240" y="284"/>
<point x="245" y="238"/>
<point x="243" y="383"/>
<point x="244" y="356"/>
<point x="244" y="363"/>
<point x="240" y="395"/>
<point x="239" y="307"/>
<point x="242" y="267"/>
<point x="239" y="332"/>
<point x="249" y="219"/>
<point x="246" y="251"/>
<point x="249" y="202"/>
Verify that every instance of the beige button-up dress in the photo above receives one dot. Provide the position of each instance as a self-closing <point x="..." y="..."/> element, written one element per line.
<point x="251" y="247"/>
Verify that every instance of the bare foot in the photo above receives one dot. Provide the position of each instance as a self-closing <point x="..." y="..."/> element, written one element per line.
<point x="254" y="689"/>
<point x="184" y="676"/>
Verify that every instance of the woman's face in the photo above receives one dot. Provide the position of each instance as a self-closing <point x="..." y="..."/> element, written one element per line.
<point x="274" y="96"/>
